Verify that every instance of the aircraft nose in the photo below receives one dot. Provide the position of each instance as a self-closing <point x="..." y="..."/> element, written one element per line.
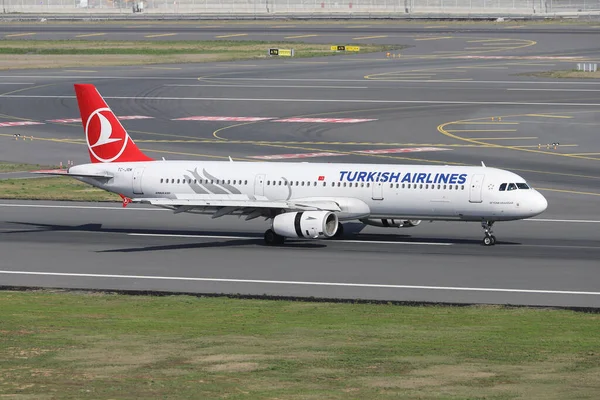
<point x="539" y="203"/>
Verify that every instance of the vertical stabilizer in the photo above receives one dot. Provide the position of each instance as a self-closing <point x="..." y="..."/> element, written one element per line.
<point x="106" y="138"/>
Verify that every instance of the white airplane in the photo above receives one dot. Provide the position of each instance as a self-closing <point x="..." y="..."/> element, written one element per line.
<point x="302" y="200"/>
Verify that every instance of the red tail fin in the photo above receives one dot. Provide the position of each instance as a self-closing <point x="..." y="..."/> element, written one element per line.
<point x="107" y="140"/>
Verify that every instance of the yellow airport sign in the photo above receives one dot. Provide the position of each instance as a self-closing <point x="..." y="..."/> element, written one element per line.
<point x="345" y="48"/>
<point x="281" y="52"/>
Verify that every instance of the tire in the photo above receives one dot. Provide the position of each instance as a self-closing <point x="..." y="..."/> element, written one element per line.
<point x="273" y="239"/>
<point x="488" y="241"/>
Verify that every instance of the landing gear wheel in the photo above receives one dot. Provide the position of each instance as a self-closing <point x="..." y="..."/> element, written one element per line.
<point x="489" y="239"/>
<point x="273" y="239"/>
<point x="340" y="231"/>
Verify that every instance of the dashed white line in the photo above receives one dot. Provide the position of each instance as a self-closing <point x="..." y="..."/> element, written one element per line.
<point x="303" y="283"/>
<point x="297" y="100"/>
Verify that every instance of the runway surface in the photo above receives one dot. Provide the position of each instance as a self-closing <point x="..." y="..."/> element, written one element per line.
<point x="455" y="100"/>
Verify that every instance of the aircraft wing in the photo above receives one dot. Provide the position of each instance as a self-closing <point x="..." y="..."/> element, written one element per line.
<point x="237" y="204"/>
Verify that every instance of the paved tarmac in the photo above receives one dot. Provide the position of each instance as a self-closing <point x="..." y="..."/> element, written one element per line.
<point x="454" y="104"/>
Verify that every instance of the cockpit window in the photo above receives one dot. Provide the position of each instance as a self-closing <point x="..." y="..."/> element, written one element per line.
<point x="503" y="187"/>
<point x="511" y="186"/>
<point x="522" y="186"/>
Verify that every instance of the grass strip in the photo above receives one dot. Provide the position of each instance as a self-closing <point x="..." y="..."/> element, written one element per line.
<point x="52" y="188"/>
<point x="101" y="346"/>
<point x="77" y="53"/>
<point x="564" y="74"/>
<point x="18" y="167"/>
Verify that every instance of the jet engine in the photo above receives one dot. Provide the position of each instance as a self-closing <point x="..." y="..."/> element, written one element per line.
<point x="391" y="223"/>
<point x="306" y="224"/>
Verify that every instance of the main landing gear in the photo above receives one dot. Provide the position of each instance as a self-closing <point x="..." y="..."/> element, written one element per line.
<point x="273" y="239"/>
<point x="489" y="239"/>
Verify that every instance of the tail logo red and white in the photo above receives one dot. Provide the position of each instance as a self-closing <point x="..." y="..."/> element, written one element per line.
<point x="104" y="142"/>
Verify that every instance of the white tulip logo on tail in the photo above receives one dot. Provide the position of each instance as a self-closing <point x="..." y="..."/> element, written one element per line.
<point x="104" y="142"/>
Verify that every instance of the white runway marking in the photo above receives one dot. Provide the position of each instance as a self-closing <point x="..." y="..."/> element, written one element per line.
<point x="552" y="90"/>
<point x="575" y="221"/>
<point x="275" y="86"/>
<point x="293" y="100"/>
<point x="117" y="207"/>
<point x="303" y="283"/>
<point x="363" y="81"/>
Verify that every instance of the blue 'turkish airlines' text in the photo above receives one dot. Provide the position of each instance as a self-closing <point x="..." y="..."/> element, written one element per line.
<point x="398" y="177"/>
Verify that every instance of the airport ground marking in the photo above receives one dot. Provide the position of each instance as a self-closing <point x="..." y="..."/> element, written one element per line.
<point x="308" y="100"/>
<point x="506" y="138"/>
<point x="442" y="129"/>
<point x="160" y="35"/>
<point x="232" y="35"/>
<point x="433" y="38"/>
<point x="299" y="36"/>
<point x="20" y="34"/>
<point x="90" y="35"/>
<point x="370" y="37"/>
<point x="548" y="116"/>
<point x="569" y="191"/>
<point x="303" y="283"/>
<point x="273" y="86"/>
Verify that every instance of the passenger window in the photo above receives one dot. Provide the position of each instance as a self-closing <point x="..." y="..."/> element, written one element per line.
<point x="324" y="184"/>
<point x="503" y="187"/>
<point x="161" y="181"/>
<point x="177" y="180"/>
<point x="462" y="187"/>
<point x="391" y="185"/>
<point x="511" y="186"/>
<point x="344" y="184"/>
<point x="368" y="185"/>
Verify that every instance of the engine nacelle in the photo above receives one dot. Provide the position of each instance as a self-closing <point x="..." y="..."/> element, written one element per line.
<point x="391" y="223"/>
<point x="306" y="224"/>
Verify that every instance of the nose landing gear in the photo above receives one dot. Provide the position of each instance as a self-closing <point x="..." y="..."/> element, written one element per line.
<point x="489" y="239"/>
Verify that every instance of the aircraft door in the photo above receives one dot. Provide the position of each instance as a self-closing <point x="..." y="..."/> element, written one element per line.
<point x="377" y="191"/>
<point x="476" y="188"/>
<point x="259" y="185"/>
<point x="137" y="180"/>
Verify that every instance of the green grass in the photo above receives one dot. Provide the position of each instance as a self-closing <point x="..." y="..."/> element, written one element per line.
<point x="99" y="346"/>
<point x="23" y="54"/>
<point x="239" y="47"/>
<point x="17" y="167"/>
<point x="52" y="188"/>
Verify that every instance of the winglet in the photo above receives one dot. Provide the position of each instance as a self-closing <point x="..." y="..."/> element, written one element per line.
<point x="230" y="159"/>
<point x="482" y="164"/>
<point x="126" y="200"/>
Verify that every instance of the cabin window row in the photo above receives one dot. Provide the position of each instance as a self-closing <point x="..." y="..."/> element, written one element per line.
<point x="427" y="186"/>
<point x="204" y="181"/>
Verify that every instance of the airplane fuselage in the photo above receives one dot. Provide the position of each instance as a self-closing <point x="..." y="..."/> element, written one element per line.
<point x="373" y="191"/>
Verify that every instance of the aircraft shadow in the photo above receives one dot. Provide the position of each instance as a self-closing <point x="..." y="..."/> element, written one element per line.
<point x="253" y="240"/>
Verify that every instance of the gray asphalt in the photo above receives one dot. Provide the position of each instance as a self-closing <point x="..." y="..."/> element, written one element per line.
<point x="424" y="99"/>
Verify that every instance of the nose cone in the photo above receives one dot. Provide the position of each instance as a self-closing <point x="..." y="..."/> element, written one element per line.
<point x="538" y="203"/>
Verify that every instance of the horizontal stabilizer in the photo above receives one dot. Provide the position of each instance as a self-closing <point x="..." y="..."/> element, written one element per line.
<point x="64" y="172"/>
